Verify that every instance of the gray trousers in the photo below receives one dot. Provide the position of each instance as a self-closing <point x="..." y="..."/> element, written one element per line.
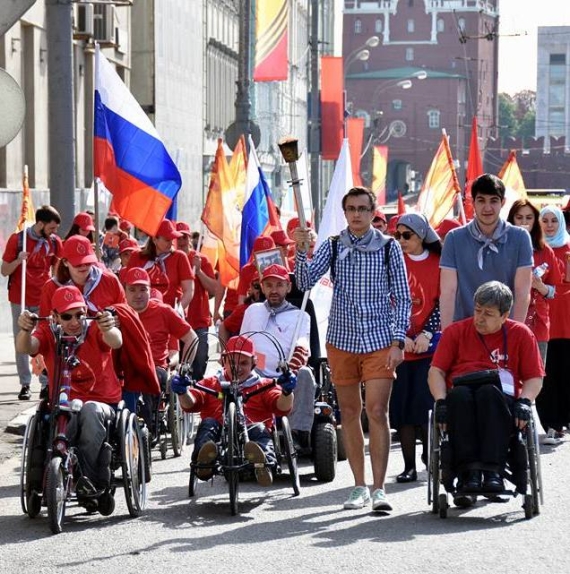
<point x="88" y="431"/>
<point x="301" y="417"/>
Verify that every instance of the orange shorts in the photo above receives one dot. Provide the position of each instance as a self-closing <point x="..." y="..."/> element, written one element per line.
<point x="351" y="368"/>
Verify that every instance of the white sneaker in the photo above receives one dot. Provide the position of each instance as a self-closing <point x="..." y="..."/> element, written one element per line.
<point x="551" y="438"/>
<point x="359" y="498"/>
<point x="379" y="501"/>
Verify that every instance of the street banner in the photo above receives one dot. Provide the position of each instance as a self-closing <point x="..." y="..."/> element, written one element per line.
<point x="271" y="40"/>
<point x="355" y="134"/>
<point x="332" y="106"/>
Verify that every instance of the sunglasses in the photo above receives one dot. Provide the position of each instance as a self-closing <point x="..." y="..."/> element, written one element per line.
<point x="69" y="316"/>
<point x="407" y="235"/>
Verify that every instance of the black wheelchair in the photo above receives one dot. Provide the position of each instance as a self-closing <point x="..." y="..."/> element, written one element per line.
<point x="522" y="471"/>
<point x="50" y="464"/>
<point x="231" y="461"/>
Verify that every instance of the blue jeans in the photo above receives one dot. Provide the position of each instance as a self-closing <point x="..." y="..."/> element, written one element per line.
<point x="201" y="359"/>
<point x="211" y="430"/>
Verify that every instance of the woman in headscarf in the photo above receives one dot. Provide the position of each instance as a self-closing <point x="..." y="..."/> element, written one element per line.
<point x="553" y="402"/>
<point x="411" y="398"/>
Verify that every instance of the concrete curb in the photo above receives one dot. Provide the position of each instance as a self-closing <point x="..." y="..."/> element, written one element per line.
<point x="18" y="424"/>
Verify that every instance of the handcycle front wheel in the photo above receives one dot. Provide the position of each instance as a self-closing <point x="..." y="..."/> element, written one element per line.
<point x="232" y="472"/>
<point x="56" y="494"/>
<point x="291" y="455"/>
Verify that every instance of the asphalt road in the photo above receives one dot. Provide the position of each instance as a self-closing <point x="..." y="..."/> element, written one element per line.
<point x="276" y="532"/>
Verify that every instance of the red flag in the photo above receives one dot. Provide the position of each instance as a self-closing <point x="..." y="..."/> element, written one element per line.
<point x="271" y="22"/>
<point x="379" y="170"/>
<point x="332" y="106"/>
<point x="440" y="186"/>
<point x="474" y="169"/>
<point x="401" y="204"/>
<point x="355" y="134"/>
<point x="27" y="212"/>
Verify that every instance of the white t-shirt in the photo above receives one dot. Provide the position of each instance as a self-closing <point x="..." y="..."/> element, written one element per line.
<point x="282" y="326"/>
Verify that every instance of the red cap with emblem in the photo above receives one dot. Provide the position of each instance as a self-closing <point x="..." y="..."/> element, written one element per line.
<point x="78" y="251"/>
<point x="277" y="271"/>
<point x="84" y="221"/>
<point x="137" y="276"/>
<point x="240" y="345"/>
<point x="66" y="298"/>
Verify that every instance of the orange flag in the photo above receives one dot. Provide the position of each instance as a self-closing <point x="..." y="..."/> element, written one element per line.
<point x="222" y="218"/>
<point x="401" y="204"/>
<point x="27" y="212"/>
<point x="440" y="186"/>
<point x="513" y="180"/>
<point x="379" y="170"/>
<point x="238" y="167"/>
<point x="355" y="134"/>
<point x="474" y="169"/>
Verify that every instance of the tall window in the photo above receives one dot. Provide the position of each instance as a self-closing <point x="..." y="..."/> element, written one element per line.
<point x="433" y="119"/>
<point x="378" y="25"/>
<point x="409" y="54"/>
<point x="411" y="25"/>
<point x="461" y="24"/>
<point x="358" y="26"/>
<point x="441" y="25"/>
<point x="557" y="95"/>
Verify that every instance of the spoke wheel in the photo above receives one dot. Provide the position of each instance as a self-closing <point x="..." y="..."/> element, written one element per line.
<point x="535" y="475"/>
<point x="291" y="455"/>
<point x="174" y="425"/>
<point x="133" y="464"/>
<point x="56" y="494"/>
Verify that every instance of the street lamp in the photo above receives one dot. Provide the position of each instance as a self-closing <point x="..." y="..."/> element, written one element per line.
<point x="361" y="53"/>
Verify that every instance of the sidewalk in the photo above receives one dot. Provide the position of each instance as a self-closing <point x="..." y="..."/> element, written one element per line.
<point x="14" y="414"/>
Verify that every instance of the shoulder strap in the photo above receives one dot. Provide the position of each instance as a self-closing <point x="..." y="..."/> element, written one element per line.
<point x="334" y="256"/>
<point x="387" y="246"/>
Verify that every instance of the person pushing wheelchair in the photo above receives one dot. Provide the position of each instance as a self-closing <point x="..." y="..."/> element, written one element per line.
<point x="260" y="408"/>
<point x="484" y="375"/>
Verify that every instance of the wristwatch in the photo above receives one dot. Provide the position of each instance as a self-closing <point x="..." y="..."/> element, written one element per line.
<point x="427" y="334"/>
<point x="399" y="344"/>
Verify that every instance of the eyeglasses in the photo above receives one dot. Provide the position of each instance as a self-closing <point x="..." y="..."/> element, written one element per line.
<point x="360" y="209"/>
<point x="69" y="316"/>
<point x="407" y="235"/>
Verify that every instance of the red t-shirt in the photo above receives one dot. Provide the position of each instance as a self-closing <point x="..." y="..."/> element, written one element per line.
<point x="161" y="322"/>
<point x="198" y="314"/>
<point x="231" y="300"/>
<point x="423" y="279"/>
<point x="107" y="293"/>
<point x="260" y="408"/>
<point x="94" y="379"/>
<point x="461" y="351"/>
<point x="559" y="307"/>
<point x="177" y="270"/>
<point x="233" y="321"/>
<point x="38" y="267"/>
<point x="538" y="315"/>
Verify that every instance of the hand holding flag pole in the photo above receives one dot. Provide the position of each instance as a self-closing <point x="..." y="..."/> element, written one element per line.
<point x="290" y="152"/>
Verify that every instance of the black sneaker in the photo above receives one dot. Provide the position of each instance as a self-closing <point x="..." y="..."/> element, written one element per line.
<point x="25" y="393"/>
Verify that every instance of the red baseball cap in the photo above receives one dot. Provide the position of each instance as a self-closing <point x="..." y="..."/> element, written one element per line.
<point x="125" y="225"/>
<point x="263" y="243"/>
<point x="379" y="214"/>
<point x="167" y="230"/>
<point x="277" y="271"/>
<point x="128" y="244"/>
<point x="392" y="224"/>
<point x="137" y="276"/>
<point x="66" y="298"/>
<point x="293" y="223"/>
<point x="241" y="345"/>
<point x="78" y="251"/>
<point x="84" y="221"/>
<point x="248" y="274"/>
<point x="183" y="228"/>
<point x="281" y="238"/>
<point x="446" y="226"/>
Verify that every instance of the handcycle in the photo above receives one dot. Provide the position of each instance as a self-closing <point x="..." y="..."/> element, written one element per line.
<point x="50" y="463"/>
<point x="231" y="461"/>
<point x="522" y="470"/>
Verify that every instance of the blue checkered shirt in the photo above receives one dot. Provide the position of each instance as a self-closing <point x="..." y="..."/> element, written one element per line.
<point x="371" y="305"/>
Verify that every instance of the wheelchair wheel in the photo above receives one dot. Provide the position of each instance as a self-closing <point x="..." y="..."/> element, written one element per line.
<point x="231" y="455"/>
<point x="174" y="425"/>
<point x="433" y="464"/>
<point x="291" y="455"/>
<point x="341" y="450"/>
<point x="443" y="505"/>
<point x="535" y="474"/>
<point x="56" y="494"/>
<point x="192" y="482"/>
<point x="324" y="451"/>
<point x="31" y="474"/>
<point x="132" y="463"/>
<point x="145" y="442"/>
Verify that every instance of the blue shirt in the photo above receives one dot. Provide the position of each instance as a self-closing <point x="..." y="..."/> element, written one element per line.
<point x="371" y="304"/>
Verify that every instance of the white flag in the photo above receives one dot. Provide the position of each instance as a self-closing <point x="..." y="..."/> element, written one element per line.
<point x="332" y="223"/>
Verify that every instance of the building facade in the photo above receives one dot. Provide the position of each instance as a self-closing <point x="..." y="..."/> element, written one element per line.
<point x="435" y="67"/>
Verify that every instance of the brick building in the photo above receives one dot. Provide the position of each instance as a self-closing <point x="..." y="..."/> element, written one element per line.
<point x="453" y="46"/>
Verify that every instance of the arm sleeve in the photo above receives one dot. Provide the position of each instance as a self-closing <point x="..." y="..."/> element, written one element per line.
<point x="308" y="273"/>
<point x="448" y="259"/>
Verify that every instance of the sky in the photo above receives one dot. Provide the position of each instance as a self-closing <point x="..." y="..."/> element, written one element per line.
<point x="517" y="54"/>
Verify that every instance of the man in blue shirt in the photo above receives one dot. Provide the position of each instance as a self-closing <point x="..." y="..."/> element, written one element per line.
<point x="486" y="249"/>
<point x="365" y="337"/>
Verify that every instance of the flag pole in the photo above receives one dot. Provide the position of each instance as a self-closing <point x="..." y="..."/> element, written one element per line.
<point x="24" y="242"/>
<point x="96" y="216"/>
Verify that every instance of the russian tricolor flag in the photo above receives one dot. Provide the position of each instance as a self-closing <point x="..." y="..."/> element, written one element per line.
<point x="259" y="216"/>
<point x="129" y="156"/>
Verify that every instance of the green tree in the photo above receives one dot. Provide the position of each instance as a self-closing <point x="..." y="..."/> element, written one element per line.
<point x="517" y="114"/>
<point x="507" y="120"/>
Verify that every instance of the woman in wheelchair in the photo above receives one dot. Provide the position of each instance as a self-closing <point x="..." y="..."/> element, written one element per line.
<point x="260" y="408"/>
<point x="485" y="374"/>
<point x="93" y="380"/>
